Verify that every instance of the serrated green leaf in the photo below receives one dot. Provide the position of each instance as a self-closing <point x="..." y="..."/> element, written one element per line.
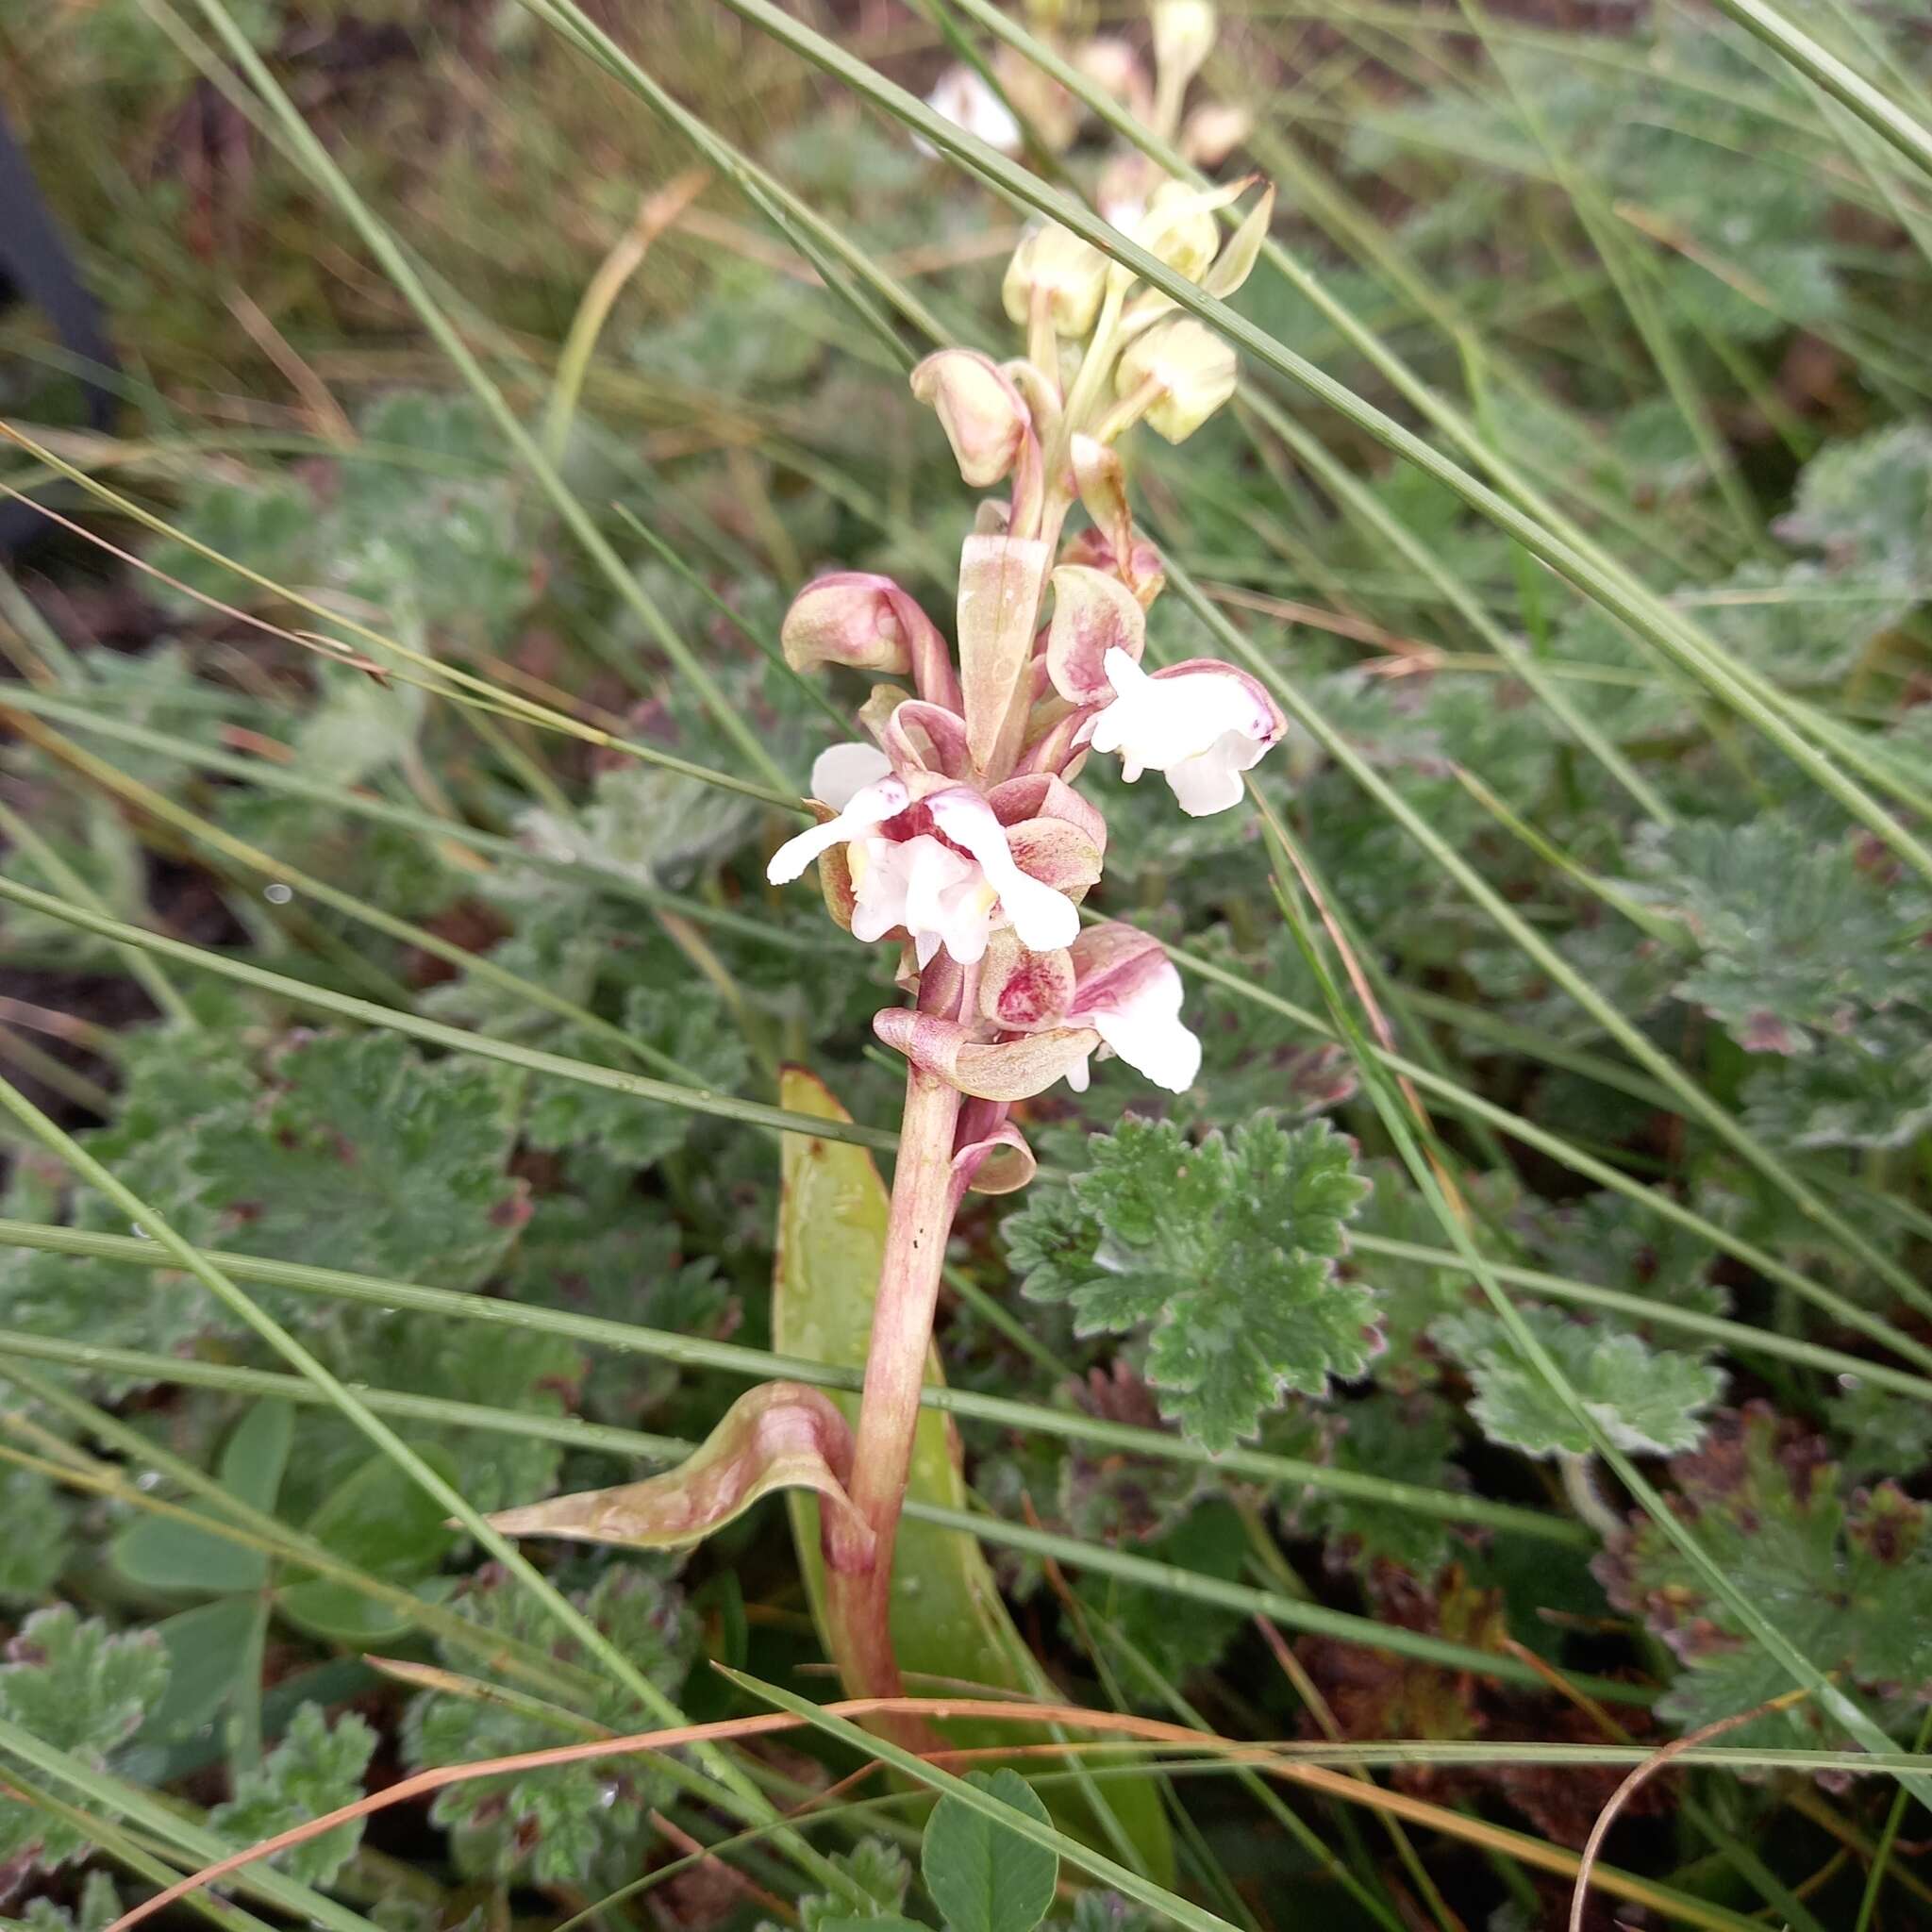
<point x="879" y="1869"/>
<point x="100" y="1906"/>
<point x="982" y="1874"/>
<point x="367" y="1156"/>
<point x="1870" y="1086"/>
<point x="316" y="1768"/>
<point x="267" y="526"/>
<point x="576" y="1825"/>
<point x="82" y="1689"/>
<point x="1408" y="1439"/>
<point x="690" y="1025"/>
<point x="1648" y="1401"/>
<point x="1798" y="938"/>
<point x="1847" y="1578"/>
<point x="1224" y="1250"/>
<point x="1866" y="502"/>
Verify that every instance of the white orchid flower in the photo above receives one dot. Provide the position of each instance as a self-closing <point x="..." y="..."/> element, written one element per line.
<point x="1200" y="725"/>
<point x="1130" y="992"/>
<point x="949" y="886"/>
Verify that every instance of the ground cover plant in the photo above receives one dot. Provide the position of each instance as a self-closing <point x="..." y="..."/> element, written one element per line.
<point x="1318" y="1310"/>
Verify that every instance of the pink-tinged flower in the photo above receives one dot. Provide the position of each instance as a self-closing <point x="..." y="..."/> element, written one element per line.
<point x="941" y="865"/>
<point x="1114" y="987"/>
<point x="867" y="622"/>
<point x="1130" y="992"/>
<point x="1201" y="725"/>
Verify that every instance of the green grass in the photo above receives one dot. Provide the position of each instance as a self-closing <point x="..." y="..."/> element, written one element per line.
<point x="1581" y="364"/>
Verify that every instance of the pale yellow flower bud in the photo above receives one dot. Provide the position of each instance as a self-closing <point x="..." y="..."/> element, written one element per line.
<point x="1193" y="369"/>
<point x="1179" y="231"/>
<point x="1072" y="272"/>
<point x="1184" y="36"/>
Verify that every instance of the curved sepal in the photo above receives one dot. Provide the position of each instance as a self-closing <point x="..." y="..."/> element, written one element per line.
<point x="999" y="1162"/>
<point x="860" y="619"/>
<point x="782" y="1436"/>
<point x="1006" y="1070"/>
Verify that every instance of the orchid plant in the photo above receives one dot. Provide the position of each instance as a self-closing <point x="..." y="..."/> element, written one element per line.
<point x="952" y="831"/>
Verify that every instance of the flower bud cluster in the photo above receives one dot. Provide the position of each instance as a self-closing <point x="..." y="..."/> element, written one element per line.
<point x="954" y="828"/>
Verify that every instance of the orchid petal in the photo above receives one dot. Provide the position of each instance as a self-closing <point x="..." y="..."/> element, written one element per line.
<point x="1201" y="724"/>
<point x="1043" y="918"/>
<point x="1093" y="615"/>
<point x="1128" y="990"/>
<point x="842" y="772"/>
<point x="871" y="804"/>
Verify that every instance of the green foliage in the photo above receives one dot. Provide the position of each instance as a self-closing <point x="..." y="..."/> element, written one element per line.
<point x="1210" y="1542"/>
<point x="1409" y="1438"/>
<point x="1648" y="1401"/>
<point x="697" y="1034"/>
<point x="38" y="1540"/>
<point x="83" y="1689"/>
<point x="362" y="1149"/>
<point x="1227" y="1250"/>
<point x="1192" y="1277"/>
<point x="879" y="1870"/>
<point x="316" y="1768"/>
<point x="576" y="1825"/>
<point x="100" y="1906"/>
<point x="983" y="1876"/>
<point x="1846" y="1576"/>
<point x="162" y="1552"/>
<point x="1797" y="939"/>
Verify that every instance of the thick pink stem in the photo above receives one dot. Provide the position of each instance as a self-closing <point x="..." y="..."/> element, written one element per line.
<point x="859" y="1592"/>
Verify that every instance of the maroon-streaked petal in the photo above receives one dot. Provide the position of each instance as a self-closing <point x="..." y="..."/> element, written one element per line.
<point x="1045" y="795"/>
<point x="1092" y="614"/>
<point x="1055" y="852"/>
<point x="1021" y="990"/>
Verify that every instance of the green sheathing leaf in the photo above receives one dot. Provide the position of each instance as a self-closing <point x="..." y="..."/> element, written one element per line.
<point x="1224" y="1250"/>
<point x="948" y="1619"/>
